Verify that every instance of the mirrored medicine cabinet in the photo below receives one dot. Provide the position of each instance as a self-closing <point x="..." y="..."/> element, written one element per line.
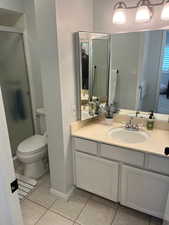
<point x="126" y="70"/>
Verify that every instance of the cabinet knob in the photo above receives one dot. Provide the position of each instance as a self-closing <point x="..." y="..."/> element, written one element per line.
<point x="166" y="151"/>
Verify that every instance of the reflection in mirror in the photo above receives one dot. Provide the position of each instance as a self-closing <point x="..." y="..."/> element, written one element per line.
<point x="139" y="75"/>
<point x="94" y="61"/>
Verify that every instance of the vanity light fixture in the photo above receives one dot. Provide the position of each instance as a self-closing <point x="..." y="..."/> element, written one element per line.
<point x="143" y="12"/>
<point x="119" y="16"/>
<point x="165" y="12"/>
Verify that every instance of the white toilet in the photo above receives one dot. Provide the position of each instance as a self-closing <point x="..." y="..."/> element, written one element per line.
<point x="32" y="152"/>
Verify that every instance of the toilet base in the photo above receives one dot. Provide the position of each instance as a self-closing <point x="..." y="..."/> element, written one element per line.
<point x="35" y="170"/>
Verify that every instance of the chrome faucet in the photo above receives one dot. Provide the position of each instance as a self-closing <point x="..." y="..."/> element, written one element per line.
<point x="130" y="125"/>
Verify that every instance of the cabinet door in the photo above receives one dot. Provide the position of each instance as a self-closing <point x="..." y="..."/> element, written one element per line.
<point x="97" y="175"/>
<point x="144" y="191"/>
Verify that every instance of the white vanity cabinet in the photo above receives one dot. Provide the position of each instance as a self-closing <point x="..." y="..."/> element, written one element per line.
<point x="122" y="155"/>
<point x="157" y="164"/>
<point x="85" y="146"/>
<point x="143" y="190"/>
<point x="135" y="179"/>
<point x="97" y="175"/>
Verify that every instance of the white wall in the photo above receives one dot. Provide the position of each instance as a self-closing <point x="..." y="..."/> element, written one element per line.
<point x="33" y="61"/>
<point x="56" y="26"/>
<point x="48" y="56"/>
<point x="125" y="58"/>
<point x="151" y="68"/>
<point x="103" y="11"/>
<point x="72" y="16"/>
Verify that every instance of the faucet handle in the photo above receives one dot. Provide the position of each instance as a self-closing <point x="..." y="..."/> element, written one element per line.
<point x="129" y="123"/>
<point x="137" y="113"/>
<point x="131" y="119"/>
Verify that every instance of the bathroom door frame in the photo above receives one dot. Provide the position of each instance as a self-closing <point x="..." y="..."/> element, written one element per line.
<point x="10" y="213"/>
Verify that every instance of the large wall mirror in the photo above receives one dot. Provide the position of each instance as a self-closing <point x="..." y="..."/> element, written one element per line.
<point x="94" y="68"/>
<point x="135" y="77"/>
<point x="142" y="60"/>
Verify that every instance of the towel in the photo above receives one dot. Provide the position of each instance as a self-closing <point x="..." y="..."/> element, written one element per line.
<point x="142" y="93"/>
<point x="113" y="86"/>
<point x="19" y="112"/>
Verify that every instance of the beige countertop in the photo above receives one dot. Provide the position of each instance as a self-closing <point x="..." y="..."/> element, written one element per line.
<point x="97" y="131"/>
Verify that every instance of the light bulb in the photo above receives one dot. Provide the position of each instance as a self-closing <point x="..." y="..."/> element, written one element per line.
<point x="165" y="12"/>
<point x="119" y="16"/>
<point x="143" y="14"/>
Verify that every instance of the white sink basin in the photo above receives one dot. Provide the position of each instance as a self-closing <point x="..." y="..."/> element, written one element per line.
<point x="128" y="136"/>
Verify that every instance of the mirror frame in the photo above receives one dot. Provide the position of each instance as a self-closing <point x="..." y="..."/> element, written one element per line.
<point x="78" y="69"/>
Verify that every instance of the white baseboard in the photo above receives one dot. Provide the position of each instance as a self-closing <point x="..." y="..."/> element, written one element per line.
<point x="61" y="194"/>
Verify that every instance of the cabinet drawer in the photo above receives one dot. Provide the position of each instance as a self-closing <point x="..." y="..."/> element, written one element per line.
<point x="85" y="146"/>
<point x="159" y="164"/>
<point x="121" y="154"/>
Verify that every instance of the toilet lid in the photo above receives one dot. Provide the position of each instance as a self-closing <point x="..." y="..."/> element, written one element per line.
<point x="32" y="144"/>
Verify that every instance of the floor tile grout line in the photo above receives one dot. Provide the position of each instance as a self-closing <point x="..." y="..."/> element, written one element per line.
<point x="60" y="214"/>
<point x="90" y="198"/>
<point x="41" y="217"/>
<point x="57" y="197"/>
<point x="48" y="210"/>
<point x="115" y="214"/>
<point x="66" y="217"/>
<point x="73" y="221"/>
<point x="36" y="203"/>
<point x="82" y="209"/>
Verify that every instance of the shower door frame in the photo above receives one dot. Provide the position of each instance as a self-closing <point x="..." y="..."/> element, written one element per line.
<point x="9" y="203"/>
<point x="28" y="69"/>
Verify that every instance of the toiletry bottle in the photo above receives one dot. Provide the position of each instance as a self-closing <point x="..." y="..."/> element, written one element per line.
<point x="92" y="106"/>
<point x="150" y="121"/>
<point x="109" y="112"/>
<point x="97" y="107"/>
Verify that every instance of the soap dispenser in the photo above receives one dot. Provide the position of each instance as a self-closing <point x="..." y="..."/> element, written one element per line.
<point x="150" y="121"/>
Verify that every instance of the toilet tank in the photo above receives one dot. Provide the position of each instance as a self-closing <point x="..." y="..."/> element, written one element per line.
<point x="41" y="120"/>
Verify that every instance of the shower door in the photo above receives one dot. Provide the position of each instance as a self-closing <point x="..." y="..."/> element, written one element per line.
<point x="15" y="88"/>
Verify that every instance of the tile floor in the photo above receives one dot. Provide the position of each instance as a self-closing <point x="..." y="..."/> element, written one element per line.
<point x="83" y="208"/>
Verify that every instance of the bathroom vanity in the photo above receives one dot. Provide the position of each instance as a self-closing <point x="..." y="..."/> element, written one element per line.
<point x="135" y="174"/>
<point x="123" y="72"/>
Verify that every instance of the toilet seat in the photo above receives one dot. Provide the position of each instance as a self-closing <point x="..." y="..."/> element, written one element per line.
<point x="33" y="144"/>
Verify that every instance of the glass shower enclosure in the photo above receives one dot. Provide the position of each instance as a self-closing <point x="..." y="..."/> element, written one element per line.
<point x="15" y="88"/>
